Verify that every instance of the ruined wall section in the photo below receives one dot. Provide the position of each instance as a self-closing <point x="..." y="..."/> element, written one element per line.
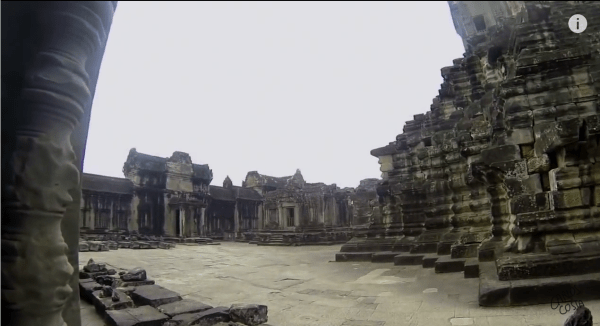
<point x="506" y="160"/>
<point x="365" y="204"/>
<point x="550" y="124"/>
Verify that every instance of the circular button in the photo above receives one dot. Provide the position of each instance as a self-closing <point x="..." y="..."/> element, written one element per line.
<point x="577" y="23"/>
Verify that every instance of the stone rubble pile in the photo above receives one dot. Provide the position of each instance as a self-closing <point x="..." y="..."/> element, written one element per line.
<point x="114" y="242"/>
<point x="128" y="298"/>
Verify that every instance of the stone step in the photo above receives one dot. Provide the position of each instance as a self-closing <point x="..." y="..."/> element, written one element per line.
<point x="353" y="256"/>
<point x="384" y="257"/>
<point x="429" y="260"/>
<point x="552" y="290"/>
<point x="408" y="259"/>
<point x="446" y="264"/>
<point x="472" y="268"/>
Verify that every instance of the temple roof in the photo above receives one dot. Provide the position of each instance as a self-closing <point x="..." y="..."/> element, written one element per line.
<point x="385" y="150"/>
<point x="102" y="183"/>
<point x="220" y="193"/>
<point x="159" y="164"/>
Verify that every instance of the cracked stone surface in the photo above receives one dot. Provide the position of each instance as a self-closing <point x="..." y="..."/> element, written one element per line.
<point x="301" y="287"/>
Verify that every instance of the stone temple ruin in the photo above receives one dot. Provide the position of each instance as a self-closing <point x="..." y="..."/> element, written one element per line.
<point x="172" y="198"/>
<point x="500" y="178"/>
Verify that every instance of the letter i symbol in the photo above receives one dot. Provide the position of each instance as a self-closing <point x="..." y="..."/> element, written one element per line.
<point x="577" y="23"/>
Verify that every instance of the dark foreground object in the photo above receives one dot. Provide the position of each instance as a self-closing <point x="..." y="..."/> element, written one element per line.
<point x="581" y="317"/>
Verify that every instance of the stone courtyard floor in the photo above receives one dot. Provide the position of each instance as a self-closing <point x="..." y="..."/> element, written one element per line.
<point x="303" y="286"/>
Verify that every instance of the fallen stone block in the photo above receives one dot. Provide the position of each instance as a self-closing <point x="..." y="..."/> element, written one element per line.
<point x="205" y="318"/>
<point x="153" y="295"/>
<point x="92" y="267"/>
<point x="135" y="274"/>
<point x="112" y="245"/>
<point x="125" y="284"/>
<point x="141" y="316"/>
<point x="83" y="247"/>
<point x="409" y="259"/>
<point x="94" y="246"/>
<point x="84" y="275"/>
<point x="251" y="314"/>
<point x="116" y="301"/>
<point x="105" y="279"/>
<point x="87" y="287"/>
<point x="353" y="256"/>
<point x="185" y="306"/>
<point x="124" y="244"/>
<point x="164" y="245"/>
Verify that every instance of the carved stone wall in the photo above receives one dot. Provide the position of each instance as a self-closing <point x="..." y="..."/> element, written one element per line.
<point x="292" y="202"/>
<point x="505" y="162"/>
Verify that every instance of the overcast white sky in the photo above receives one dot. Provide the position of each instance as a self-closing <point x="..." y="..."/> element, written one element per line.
<point x="267" y="86"/>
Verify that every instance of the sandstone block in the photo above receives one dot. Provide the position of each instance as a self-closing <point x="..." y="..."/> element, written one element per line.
<point x="154" y="295"/>
<point x="251" y="314"/>
<point x="185" y="306"/>
<point x="205" y="318"/>
<point x="501" y="154"/>
<point x="141" y="316"/>
<point x="136" y="274"/>
<point x="538" y="164"/>
<point x="565" y="199"/>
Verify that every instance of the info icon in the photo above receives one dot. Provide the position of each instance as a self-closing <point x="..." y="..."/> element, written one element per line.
<point x="577" y="23"/>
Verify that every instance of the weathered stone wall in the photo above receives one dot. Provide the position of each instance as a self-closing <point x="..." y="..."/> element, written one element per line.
<point x="505" y="162"/>
<point x="313" y="204"/>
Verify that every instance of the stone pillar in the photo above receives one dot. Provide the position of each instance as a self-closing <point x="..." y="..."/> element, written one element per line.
<point x="181" y="221"/>
<point x="203" y="221"/>
<point x="236" y="220"/>
<point x="194" y="221"/>
<point x="92" y="212"/>
<point x="133" y="218"/>
<point x="51" y="57"/>
<point x="261" y="221"/>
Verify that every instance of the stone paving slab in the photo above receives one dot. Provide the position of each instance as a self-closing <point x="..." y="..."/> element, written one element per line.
<point x="154" y="295"/>
<point x="141" y="316"/>
<point x="185" y="306"/>
<point x="107" y="303"/>
<point x="302" y="287"/>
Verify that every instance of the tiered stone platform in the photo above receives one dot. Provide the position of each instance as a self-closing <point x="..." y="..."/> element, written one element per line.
<point x="303" y="237"/>
<point x="501" y="178"/>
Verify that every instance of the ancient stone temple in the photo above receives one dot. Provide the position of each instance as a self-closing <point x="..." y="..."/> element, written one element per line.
<point x="298" y="213"/>
<point x="291" y="202"/>
<point x="172" y="197"/>
<point x="499" y="179"/>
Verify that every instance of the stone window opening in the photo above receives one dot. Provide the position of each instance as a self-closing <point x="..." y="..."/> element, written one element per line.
<point x="427" y="142"/>
<point x="479" y="22"/>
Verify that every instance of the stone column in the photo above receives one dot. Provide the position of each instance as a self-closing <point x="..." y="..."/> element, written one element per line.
<point x="51" y="58"/>
<point x="261" y="221"/>
<point x="92" y="212"/>
<point x="236" y="219"/>
<point x="203" y="221"/>
<point x="181" y="221"/>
